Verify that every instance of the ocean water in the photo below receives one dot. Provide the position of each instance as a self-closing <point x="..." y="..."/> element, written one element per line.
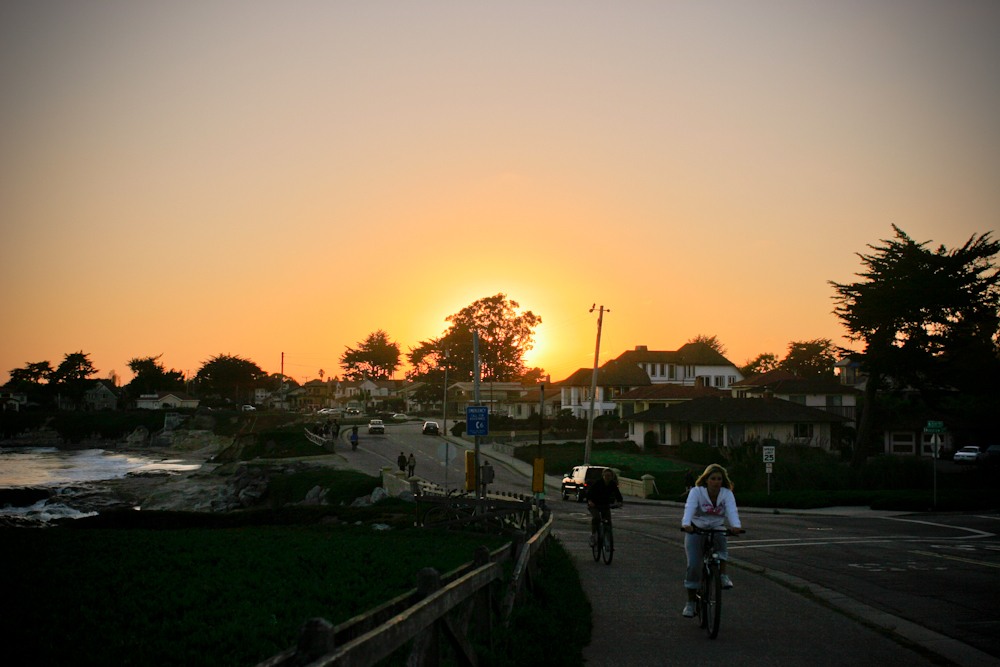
<point x="55" y="468"/>
<point x="48" y="466"/>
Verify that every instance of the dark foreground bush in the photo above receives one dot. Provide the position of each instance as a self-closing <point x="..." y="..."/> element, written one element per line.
<point x="555" y="621"/>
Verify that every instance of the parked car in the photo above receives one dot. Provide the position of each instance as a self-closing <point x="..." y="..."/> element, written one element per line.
<point x="969" y="454"/>
<point x="330" y="412"/>
<point x="376" y="426"/>
<point x="577" y="480"/>
<point x="249" y="408"/>
<point x="353" y="411"/>
<point x="431" y="428"/>
<point x="400" y="417"/>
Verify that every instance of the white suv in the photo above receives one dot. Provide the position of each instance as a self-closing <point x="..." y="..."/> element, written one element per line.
<point x="577" y="480"/>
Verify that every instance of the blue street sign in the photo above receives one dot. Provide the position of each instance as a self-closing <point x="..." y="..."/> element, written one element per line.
<point x="477" y="420"/>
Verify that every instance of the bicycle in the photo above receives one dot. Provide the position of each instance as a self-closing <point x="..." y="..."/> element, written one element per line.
<point x="709" y="596"/>
<point x="604" y="544"/>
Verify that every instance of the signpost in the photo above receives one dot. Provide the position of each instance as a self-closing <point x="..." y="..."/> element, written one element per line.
<point x="935" y="428"/>
<point x="768" y="451"/>
<point x="477" y="420"/>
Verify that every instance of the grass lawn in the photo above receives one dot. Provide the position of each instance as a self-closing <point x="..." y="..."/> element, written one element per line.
<point x="201" y="596"/>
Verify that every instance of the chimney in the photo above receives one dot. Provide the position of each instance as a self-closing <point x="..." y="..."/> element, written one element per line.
<point x="641" y="348"/>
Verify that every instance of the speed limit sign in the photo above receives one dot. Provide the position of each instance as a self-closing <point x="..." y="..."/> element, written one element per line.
<point x="768" y="454"/>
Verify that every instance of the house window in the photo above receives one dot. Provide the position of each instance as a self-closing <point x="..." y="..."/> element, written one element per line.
<point x="719" y="380"/>
<point x="659" y="370"/>
<point x="803" y="431"/>
<point x="901" y="443"/>
<point x="732" y="379"/>
<point x="663" y="434"/>
<point x="671" y="372"/>
<point x="834" y="401"/>
<point x="689" y="371"/>
<point x="797" y="398"/>
<point x="713" y="434"/>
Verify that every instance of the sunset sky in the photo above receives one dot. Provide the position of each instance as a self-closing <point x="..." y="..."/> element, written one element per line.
<point x="194" y="178"/>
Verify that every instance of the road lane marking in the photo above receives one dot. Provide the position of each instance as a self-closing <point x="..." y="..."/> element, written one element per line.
<point x="961" y="560"/>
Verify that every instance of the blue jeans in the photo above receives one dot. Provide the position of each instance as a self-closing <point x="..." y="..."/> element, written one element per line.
<point x="693" y="544"/>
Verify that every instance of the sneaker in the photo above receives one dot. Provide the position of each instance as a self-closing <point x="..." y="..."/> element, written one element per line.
<point x="593" y="539"/>
<point x="688" y="610"/>
<point x="727" y="583"/>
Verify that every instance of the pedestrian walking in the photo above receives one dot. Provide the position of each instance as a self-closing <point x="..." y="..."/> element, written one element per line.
<point x="411" y="463"/>
<point x="401" y="462"/>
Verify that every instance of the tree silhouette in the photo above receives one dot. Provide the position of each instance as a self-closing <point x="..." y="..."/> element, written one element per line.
<point x="505" y="336"/>
<point x="928" y="320"/>
<point x="375" y="358"/>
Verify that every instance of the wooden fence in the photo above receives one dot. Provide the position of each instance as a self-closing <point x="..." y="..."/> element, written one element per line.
<point x="469" y="601"/>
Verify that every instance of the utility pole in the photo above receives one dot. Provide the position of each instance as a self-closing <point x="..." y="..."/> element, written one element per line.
<point x="593" y="385"/>
<point x="444" y="420"/>
<point x="475" y="385"/>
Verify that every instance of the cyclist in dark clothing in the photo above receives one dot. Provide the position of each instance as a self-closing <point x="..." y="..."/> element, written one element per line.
<point x="601" y="495"/>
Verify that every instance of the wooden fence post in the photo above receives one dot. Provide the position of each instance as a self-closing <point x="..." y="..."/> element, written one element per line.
<point x="315" y="640"/>
<point x="426" y="650"/>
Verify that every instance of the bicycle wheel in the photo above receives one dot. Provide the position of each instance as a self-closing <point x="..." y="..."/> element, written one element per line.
<point x="706" y="576"/>
<point x="609" y="544"/>
<point x="598" y="543"/>
<point x="713" y="602"/>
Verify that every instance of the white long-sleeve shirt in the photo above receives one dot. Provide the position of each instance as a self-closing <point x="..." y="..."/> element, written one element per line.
<point x="700" y="511"/>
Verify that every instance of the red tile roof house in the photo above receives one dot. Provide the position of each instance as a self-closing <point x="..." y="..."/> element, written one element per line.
<point x="693" y="365"/>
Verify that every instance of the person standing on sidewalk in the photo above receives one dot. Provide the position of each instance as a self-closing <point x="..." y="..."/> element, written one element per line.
<point x="411" y="465"/>
<point x="710" y="505"/>
<point x="401" y="462"/>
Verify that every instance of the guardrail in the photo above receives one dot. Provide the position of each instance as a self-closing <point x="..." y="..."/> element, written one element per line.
<point x="322" y="441"/>
<point x="452" y="608"/>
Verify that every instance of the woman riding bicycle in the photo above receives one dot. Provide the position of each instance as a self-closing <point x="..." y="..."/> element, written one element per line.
<point x="600" y="496"/>
<point x="710" y="505"/>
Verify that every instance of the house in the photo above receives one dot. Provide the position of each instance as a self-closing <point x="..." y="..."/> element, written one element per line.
<point x="641" y="399"/>
<point x="533" y="397"/>
<point x="692" y="364"/>
<point x="726" y="421"/>
<point x="614" y="379"/>
<point x="14" y="401"/>
<point x="905" y="430"/>
<point x="368" y="394"/>
<point x="102" y="395"/>
<point x="166" y="400"/>
<point x="822" y="393"/>
<point x="497" y="396"/>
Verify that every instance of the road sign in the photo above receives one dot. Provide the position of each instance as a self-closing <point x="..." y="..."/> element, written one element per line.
<point x="768" y="468"/>
<point x="768" y="453"/>
<point x="477" y="420"/>
<point x="934" y="427"/>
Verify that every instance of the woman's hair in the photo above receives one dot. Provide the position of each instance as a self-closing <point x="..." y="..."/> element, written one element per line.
<point x="709" y="471"/>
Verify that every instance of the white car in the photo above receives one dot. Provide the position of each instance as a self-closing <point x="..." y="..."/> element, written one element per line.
<point x="967" y="455"/>
<point x="376" y="426"/>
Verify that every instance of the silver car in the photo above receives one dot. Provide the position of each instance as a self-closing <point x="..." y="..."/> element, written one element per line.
<point x="967" y="455"/>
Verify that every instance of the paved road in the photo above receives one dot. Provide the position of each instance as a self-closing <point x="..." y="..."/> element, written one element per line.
<point x="786" y="611"/>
